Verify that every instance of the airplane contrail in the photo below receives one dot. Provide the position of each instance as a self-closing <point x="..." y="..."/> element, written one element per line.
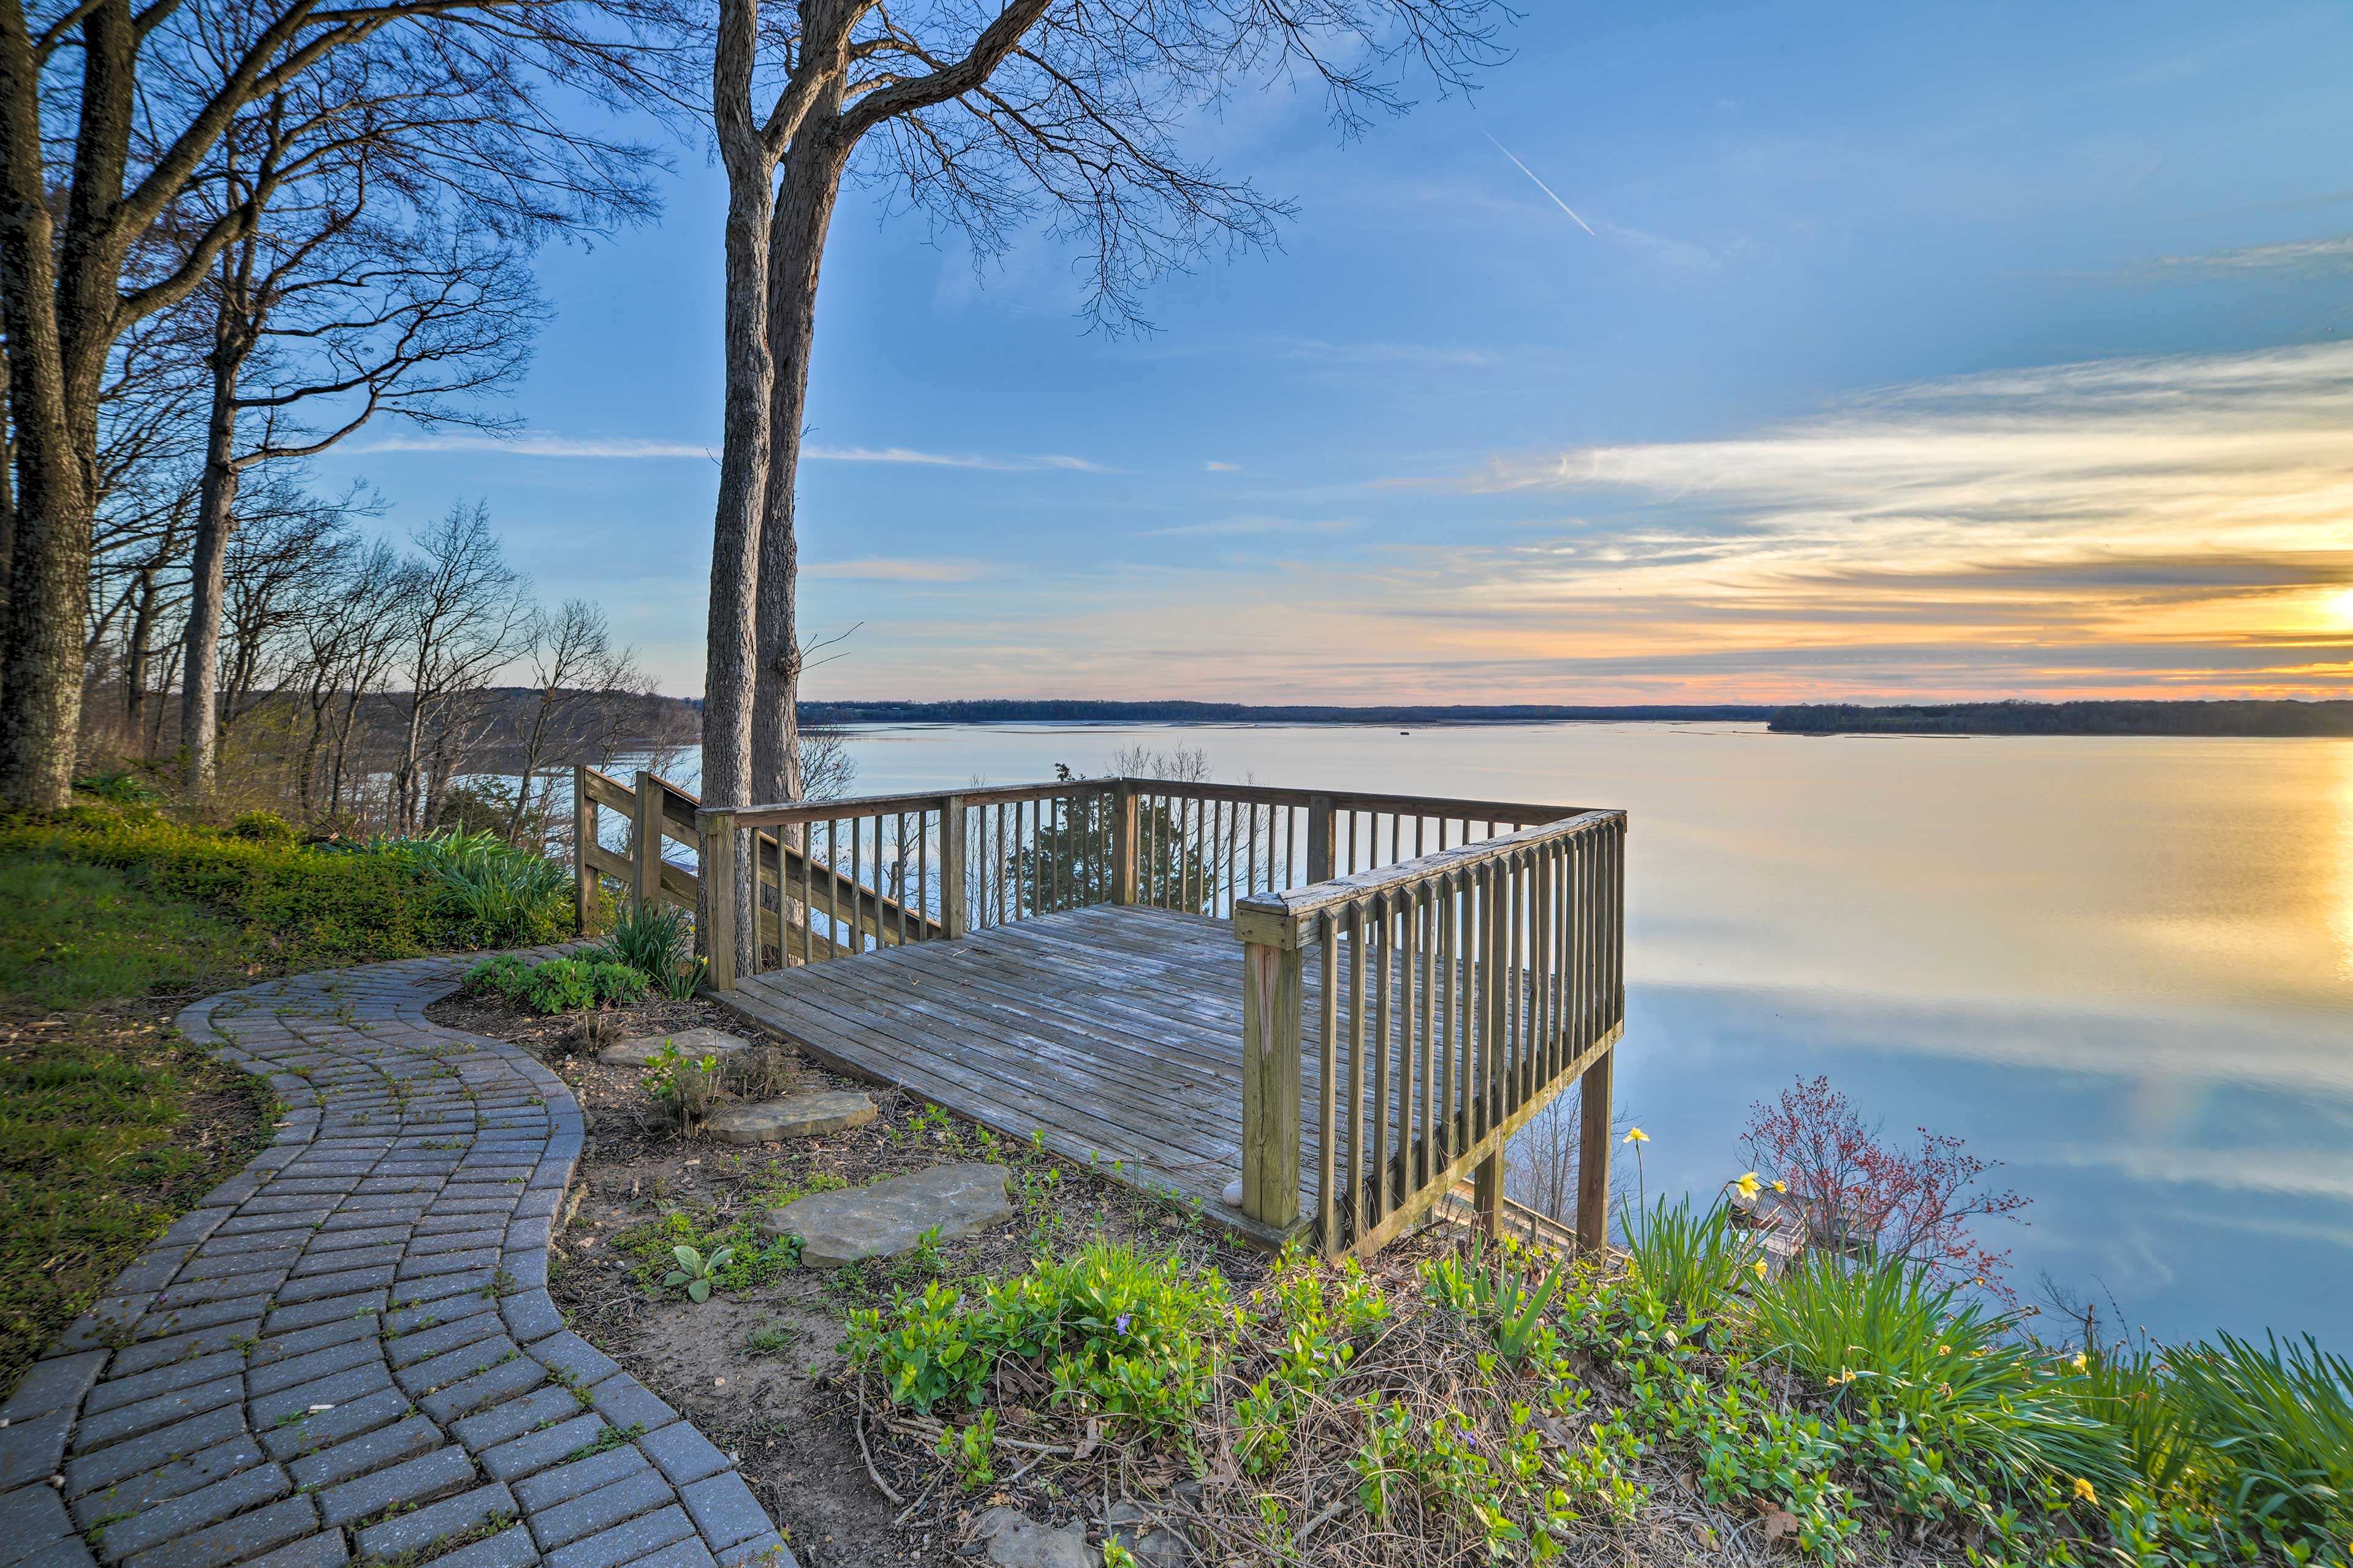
<point x="1548" y="190"/>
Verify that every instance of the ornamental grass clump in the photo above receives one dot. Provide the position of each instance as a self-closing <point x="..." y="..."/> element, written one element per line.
<point x="1693" y="1262"/>
<point x="2268" y="1432"/>
<point x="656" y="941"/>
<point x="1891" y="1340"/>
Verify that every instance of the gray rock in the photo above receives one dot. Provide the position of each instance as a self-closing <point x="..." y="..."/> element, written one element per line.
<point x="692" y="1044"/>
<point x="1016" y="1541"/>
<point x="797" y="1116"/>
<point x="889" y="1218"/>
<point x="1145" y="1533"/>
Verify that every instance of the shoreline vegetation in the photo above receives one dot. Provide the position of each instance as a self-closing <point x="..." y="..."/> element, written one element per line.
<point x="2280" y="716"/>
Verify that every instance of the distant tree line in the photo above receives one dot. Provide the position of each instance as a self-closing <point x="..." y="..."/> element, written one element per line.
<point x="2109" y="718"/>
<point x="1008" y="710"/>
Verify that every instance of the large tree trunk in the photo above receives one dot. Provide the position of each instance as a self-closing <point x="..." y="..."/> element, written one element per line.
<point x="61" y="312"/>
<point x="727" y="678"/>
<point x="215" y="508"/>
<point x="812" y="183"/>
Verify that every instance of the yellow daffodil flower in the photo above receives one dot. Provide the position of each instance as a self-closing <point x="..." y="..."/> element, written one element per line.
<point x="2083" y="1491"/>
<point x="2078" y="1363"/>
<point x="1636" y="1135"/>
<point x="1760" y="1267"/>
<point x="1943" y="1350"/>
<point x="1748" y="1186"/>
<point x="1780" y="1186"/>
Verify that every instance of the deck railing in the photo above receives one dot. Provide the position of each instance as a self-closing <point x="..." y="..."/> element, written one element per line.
<point x="1441" y="969"/>
<point x="1455" y="995"/>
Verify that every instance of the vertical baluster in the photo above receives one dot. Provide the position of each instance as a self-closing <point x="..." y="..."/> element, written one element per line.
<point x="1397" y="826"/>
<point x="1327" y="1052"/>
<point x="1441" y="930"/>
<point x="1249" y="855"/>
<point x="1290" y="845"/>
<point x="856" y="899"/>
<point x="1516" y="1026"/>
<point x="1354" y="1191"/>
<point x="1408" y="1009"/>
<point x="1384" y="952"/>
<point x="1425" y="935"/>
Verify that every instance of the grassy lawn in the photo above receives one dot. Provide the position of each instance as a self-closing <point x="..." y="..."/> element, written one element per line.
<point x="111" y="1124"/>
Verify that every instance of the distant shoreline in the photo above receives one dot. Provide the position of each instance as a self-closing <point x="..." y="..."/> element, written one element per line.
<point x="2187" y="718"/>
<point x="2202" y="718"/>
<point x="1014" y="711"/>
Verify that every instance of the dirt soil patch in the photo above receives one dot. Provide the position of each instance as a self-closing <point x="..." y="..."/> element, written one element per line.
<point x="758" y="1368"/>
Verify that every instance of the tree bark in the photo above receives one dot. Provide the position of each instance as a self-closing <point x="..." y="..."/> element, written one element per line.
<point x="811" y="186"/>
<point x="727" y="678"/>
<point x="58" y="295"/>
<point x="207" y="568"/>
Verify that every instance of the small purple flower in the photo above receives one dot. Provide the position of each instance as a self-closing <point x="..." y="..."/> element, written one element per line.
<point x="1119" y="1323"/>
<point x="1470" y="1439"/>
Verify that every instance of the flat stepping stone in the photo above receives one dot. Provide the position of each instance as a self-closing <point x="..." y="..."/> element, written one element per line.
<point x="891" y="1217"/>
<point x="794" y="1116"/>
<point x="693" y="1045"/>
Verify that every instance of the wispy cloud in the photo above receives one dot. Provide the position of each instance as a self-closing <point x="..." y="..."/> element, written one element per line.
<point x="896" y="569"/>
<point x="2301" y="256"/>
<point x="1548" y="190"/>
<point x="1214" y="466"/>
<point x="548" y="444"/>
<point x="1239" y="525"/>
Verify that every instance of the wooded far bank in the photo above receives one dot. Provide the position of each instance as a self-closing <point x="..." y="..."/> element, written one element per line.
<point x="2115" y="718"/>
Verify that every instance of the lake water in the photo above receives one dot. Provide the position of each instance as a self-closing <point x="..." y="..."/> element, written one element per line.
<point x="2122" y="966"/>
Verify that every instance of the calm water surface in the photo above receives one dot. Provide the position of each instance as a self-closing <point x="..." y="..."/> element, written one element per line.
<point x="2123" y="966"/>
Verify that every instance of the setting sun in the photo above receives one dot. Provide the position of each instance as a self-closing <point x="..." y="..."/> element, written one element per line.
<point x="2337" y="608"/>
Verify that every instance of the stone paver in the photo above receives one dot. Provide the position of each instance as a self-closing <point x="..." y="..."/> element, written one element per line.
<point x="892" y="1216"/>
<point x="809" y="1115"/>
<point x="347" y="1351"/>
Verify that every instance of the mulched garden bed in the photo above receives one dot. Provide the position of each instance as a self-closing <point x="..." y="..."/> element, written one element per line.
<point x="759" y="1369"/>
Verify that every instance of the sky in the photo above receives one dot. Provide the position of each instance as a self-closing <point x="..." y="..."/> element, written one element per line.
<point x="1708" y="353"/>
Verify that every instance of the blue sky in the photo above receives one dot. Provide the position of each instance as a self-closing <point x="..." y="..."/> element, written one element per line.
<point x="1958" y="352"/>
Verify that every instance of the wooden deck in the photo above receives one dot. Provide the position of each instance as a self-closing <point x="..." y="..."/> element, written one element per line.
<point x="1117" y="1031"/>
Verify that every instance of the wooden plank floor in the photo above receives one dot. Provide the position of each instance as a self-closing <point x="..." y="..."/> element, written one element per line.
<point x="1116" y="1032"/>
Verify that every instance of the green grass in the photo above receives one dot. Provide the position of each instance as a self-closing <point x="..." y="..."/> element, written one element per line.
<point x="71" y="935"/>
<point x="111" y="1124"/>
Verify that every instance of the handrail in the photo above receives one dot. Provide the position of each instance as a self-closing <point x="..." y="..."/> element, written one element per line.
<point x="1481" y="981"/>
<point x="1518" y="813"/>
<point x="1279" y="918"/>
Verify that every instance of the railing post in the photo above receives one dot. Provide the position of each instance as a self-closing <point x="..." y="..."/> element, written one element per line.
<point x="645" y="838"/>
<point x="1123" y="844"/>
<point x="716" y="828"/>
<point x="952" y="866"/>
<point x="1593" y="1149"/>
<point x="1271" y="997"/>
<point x="1319" y="838"/>
<point x="583" y="837"/>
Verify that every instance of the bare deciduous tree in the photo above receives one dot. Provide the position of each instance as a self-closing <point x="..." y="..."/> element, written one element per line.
<point x="990" y="117"/>
<point x="465" y="620"/>
<point x="576" y="674"/>
<point x="110" y="113"/>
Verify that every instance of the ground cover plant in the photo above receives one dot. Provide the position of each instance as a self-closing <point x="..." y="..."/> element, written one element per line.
<point x="556" y="984"/>
<point x="1692" y="1399"/>
<point x="315" y="905"/>
<point x="111" y="1124"/>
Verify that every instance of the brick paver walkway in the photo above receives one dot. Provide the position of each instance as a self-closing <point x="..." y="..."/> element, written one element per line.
<point x="348" y="1353"/>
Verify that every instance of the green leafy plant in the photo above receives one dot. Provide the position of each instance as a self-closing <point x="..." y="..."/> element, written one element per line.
<point x="1118" y="1332"/>
<point x="1891" y="1338"/>
<point x="970" y="1448"/>
<point x="504" y="891"/>
<point x="556" y="984"/>
<point x="1501" y="1295"/>
<point x="696" y="1272"/>
<point x="1691" y="1262"/>
<point x="656" y="941"/>
<point x="2276" y="1426"/>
